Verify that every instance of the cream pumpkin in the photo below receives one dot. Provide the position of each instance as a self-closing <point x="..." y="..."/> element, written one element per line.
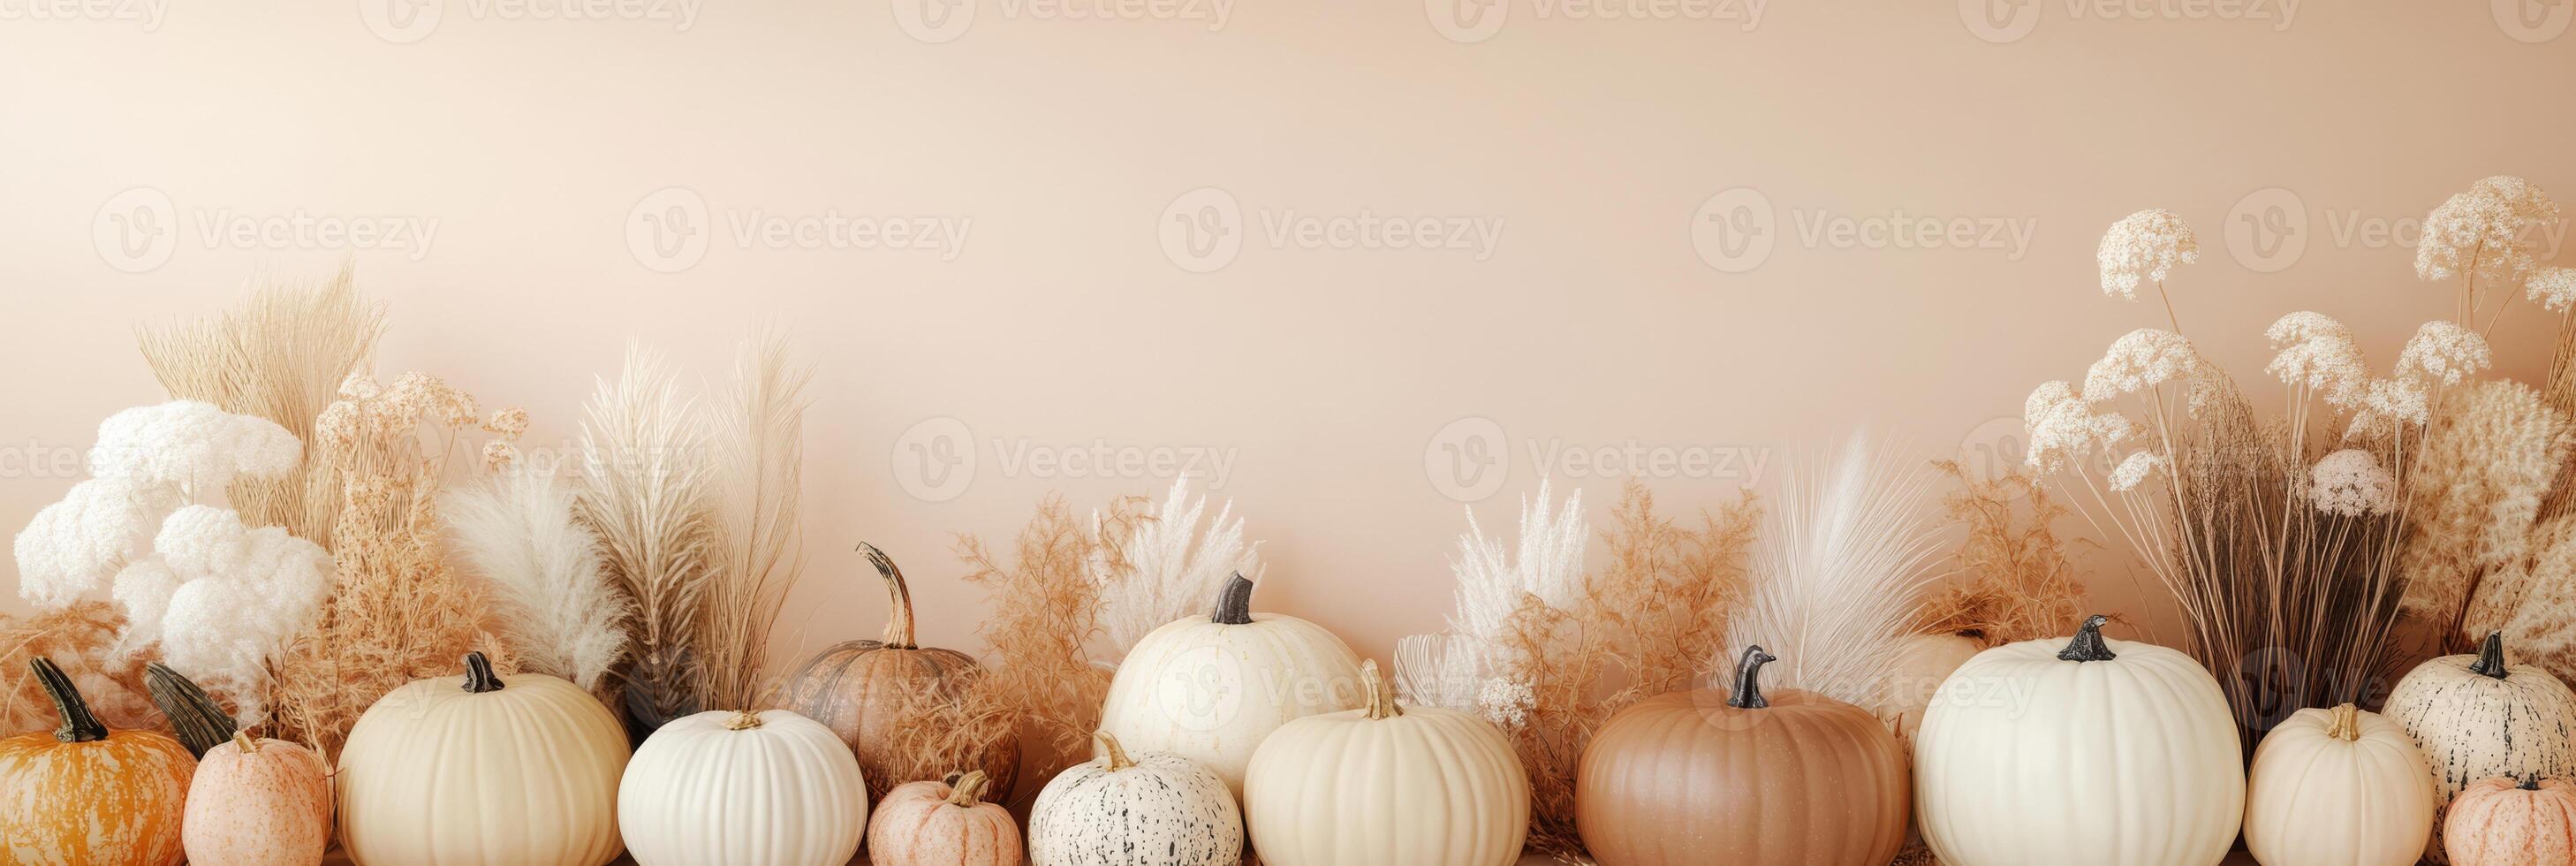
<point x="1387" y="785"/>
<point x="771" y="787"/>
<point x="442" y="773"/>
<point x="1211" y="688"/>
<point x="2507" y="822"/>
<point x="1154" y="809"/>
<point x="1920" y="665"/>
<point x="940" y="824"/>
<point x="2102" y="752"/>
<point x="83" y="794"/>
<point x="258" y="802"/>
<point x="2478" y="716"/>
<point x="2337" y="787"/>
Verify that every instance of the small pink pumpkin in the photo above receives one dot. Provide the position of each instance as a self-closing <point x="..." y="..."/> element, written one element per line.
<point x="257" y="802"/>
<point x="938" y="824"/>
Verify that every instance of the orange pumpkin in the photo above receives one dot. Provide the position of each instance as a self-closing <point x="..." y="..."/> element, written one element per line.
<point x="85" y="794"/>
<point x="1709" y="776"/>
<point x="939" y="824"/>
<point x="859" y="688"/>
<point x="2506" y="822"/>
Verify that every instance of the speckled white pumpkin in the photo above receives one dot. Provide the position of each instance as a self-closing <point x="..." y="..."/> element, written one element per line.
<point x="729" y="787"/>
<point x="2476" y="716"/>
<point x="1158" y="809"/>
<point x="1211" y="688"/>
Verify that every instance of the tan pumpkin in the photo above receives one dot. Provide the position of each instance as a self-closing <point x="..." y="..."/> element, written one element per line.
<point x="940" y="824"/>
<point x="2507" y="822"/>
<point x="1737" y="776"/>
<point x="258" y="802"/>
<point x="84" y="794"/>
<point x="859" y="688"/>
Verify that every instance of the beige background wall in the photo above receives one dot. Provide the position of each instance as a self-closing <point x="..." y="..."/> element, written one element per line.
<point x="1585" y="141"/>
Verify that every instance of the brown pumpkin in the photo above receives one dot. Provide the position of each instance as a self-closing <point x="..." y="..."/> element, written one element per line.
<point x="85" y="794"/>
<point x="2508" y="822"/>
<point x="940" y="824"/>
<point x="1710" y="776"/>
<point x="859" y="688"/>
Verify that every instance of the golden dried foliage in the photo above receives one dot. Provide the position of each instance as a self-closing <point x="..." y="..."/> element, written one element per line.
<point x="1045" y="610"/>
<point x="80" y="638"/>
<point x="2474" y="495"/>
<point x="957" y="726"/>
<point x="2559" y="390"/>
<point x="2016" y="581"/>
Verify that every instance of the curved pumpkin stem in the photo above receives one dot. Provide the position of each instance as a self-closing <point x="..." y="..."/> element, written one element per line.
<point x="2490" y="661"/>
<point x="969" y="790"/>
<point x="79" y="724"/>
<point x="1234" y="605"/>
<point x="1748" y="679"/>
<point x="2344" y="722"/>
<point x="743" y="720"/>
<point x="899" y="633"/>
<point x="200" y="722"/>
<point x="479" y="677"/>
<point x="2087" y="645"/>
<point x="1118" y="759"/>
<point x="1381" y="693"/>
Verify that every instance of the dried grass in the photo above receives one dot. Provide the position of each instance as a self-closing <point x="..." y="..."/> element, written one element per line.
<point x="2016" y="582"/>
<point x="82" y="639"/>
<point x="648" y="493"/>
<point x="1046" y="610"/>
<point x="1843" y="557"/>
<point x="2474" y="496"/>
<point x="757" y="547"/>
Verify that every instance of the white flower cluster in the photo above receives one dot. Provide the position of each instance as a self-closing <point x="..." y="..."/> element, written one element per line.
<point x="2318" y="351"/>
<point x="2146" y="358"/>
<point x="2062" y="426"/>
<point x="2441" y="353"/>
<point x="2479" y="232"/>
<point x="2351" y="483"/>
<point x="2144" y="246"/>
<point x="2134" y="471"/>
<point x="2554" y="287"/>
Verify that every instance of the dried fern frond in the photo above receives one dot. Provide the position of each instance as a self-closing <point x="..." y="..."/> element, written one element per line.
<point x="1838" y="569"/>
<point x="2016" y="581"/>
<point x="759" y="450"/>
<point x="648" y="496"/>
<point x="1174" y="570"/>
<point x="552" y="599"/>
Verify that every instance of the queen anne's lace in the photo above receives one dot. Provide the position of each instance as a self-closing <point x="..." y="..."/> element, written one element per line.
<point x="2351" y="483"/>
<point x="2146" y="358"/>
<point x="2479" y="232"/>
<point x="2061" y="426"/>
<point x="2554" y="287"/>
<point x="2144" y="246"/>
<point x="2134" y="471"/>
<point x="2319" y="352"/>
<point x="2442" y="352"/>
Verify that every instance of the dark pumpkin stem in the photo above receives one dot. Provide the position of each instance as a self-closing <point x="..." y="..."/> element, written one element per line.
<point x="2531" y="782"/>
<point x="1234" y="605"/>
<point x="1748" y="679"/>
<point x="478" y="674"/>
<point x="79" y="724"/>
<point x="899" y="632"/>
<point x="2088" y="645"/>
<point x="2490" y="661"/>
<point x="200" y="722"/>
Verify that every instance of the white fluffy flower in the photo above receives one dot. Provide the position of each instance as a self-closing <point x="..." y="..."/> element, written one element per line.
<point x="97" y="528"/>
<point x="2479" y="232"/>
<point x="221" y="597"/>
<point x="2320" y="352"/>
<point x="2351" y="483"/>
<point x="2442" y="352"/>
<point x="2148" y="357"/>
<point x="2134" y="471"/>
<point x="191" y="444"/>
<point x="1506" y="702"/>
<point x="2144" y="246"/>
<point x="2554" y="287"/>
<point x="2062" y="426"/>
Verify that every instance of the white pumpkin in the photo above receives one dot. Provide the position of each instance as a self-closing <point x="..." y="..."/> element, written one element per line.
<point x="2475" y="717"/>
<point x="441" y="774"/>
<point x="2104" y="752"/>
<point x="1211" y="688"/>
<point x="1387" y="786"/>
<point x="735" y="787"/>
<point x="1157" y="809"/>
<point x="1915" y="672"/>
<point x="2337" y="787"/>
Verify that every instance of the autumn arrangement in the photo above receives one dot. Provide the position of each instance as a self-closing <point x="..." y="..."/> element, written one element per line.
<point x="304" y="607"/>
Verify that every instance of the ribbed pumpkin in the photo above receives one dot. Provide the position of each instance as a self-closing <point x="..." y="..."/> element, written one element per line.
<point x="2507" y="822"/>
<point x="1387" y="785"/>
<point x="1211" y="688"/>
<point x="771" y="787"/>
<point x="2476" y="717"/>
<point x="858" y="689"/>
<point x="2103" y="752"/>
<point x="82" y="794"/>
<point x="258" y="802"/>
<point x="2337" y="787"/>
<point x="438" y="773"/>
<point x="1155" y="809"/>
<point x="1735" y="776"/>
<point x="940" y="824"/>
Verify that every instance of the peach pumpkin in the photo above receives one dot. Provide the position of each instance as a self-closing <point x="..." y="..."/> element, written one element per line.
<point x="2505" y="822"/>
<point x="87" y="795"/>
<point x="858" y="689"/>
<point x="258" y="802"/>
<point x="940" y="824"/>
<point x="1708" y="776"/>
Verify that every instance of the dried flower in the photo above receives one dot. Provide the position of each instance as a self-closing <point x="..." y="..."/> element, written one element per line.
<point x="2351" y="483"/>
<point x="360" y="385"/>
<point x="2474" y="491"/>
<point x="192" y="445"/>
<point x="2061" y="426"/>
<point x="2134" y="470"/>
<point x="2554" y="287"/>
<point x="2144" y="246"/>
<point x="74" y="545"/>
<point x="509" y="423"/>
<point x="221" y="598"/>
<point x="1506" y="701"/>
<point x="499" y="454"/>
<point x="2319" y="352"/>
<point x="2146" y="358"/>
<point x="2478" y="232"/>
<point x="2442" y="351"/>
<point x="2387" y="404"/>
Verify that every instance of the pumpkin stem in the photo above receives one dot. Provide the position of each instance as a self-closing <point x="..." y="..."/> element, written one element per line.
<point x="743" y="720"/>
<point x="1118" y="759"/>
<point x="200" y="722"/>
<point x="2531" y="782"/>
<point x="1234" y="605"/>
<point x="1748" y="679"/>
<point x="2490" y="661"/>
<point x="969" y="789"/>
<point x="244" y="741"/>
<point x="478" y="674"/>
<point x="2087" y="645"/>
<point x="899" y="633"/>
<point x="2344" y="722"/>
<point x="79" y="724"/>
<point x="1381" y="694"/>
